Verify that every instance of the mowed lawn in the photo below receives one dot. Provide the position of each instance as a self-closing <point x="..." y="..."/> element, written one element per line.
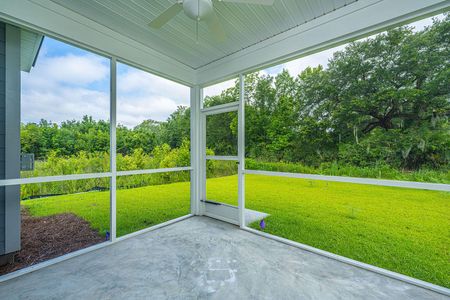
<point x="404" y="230"/>
<point x="137" y="208"/>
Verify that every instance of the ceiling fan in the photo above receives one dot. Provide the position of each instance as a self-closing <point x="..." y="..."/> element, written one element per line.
<point x="200" y="10"/>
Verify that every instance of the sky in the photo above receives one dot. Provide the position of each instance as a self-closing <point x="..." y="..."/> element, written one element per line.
<point x="68" y="82"/>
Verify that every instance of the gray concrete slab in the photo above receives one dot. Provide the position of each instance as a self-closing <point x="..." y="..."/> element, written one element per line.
<point x="207" y="259"/>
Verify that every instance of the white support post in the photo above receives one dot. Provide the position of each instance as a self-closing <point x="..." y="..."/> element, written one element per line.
<point x="241" y="151"/>
<point x="195" y="150"/>
<point x="113" y="148"/>
<point x="202" y="173"/>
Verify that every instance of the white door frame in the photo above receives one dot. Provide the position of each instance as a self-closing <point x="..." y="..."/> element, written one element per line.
<point x="224" y="212"/>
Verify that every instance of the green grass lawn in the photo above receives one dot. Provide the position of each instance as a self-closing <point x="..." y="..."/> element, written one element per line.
<point x="404" y="230"/>
<point x="137" y="208"/>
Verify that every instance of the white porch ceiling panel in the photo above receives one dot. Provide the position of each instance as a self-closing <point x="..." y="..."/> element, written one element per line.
<point x="245" y="25"/>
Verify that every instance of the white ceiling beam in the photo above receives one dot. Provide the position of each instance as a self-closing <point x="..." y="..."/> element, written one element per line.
<point x="351" y="22"/>
<point x="46" y="17"/>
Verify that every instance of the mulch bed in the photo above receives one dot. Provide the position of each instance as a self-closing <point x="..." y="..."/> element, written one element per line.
<point x="44" y="238"/>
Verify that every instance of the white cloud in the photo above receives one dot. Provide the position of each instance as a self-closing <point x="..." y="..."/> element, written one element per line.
<point x="132" y="110"/>
<point x="75" y="69"/>
<point x="68" y="69"/>
<point x="217" y="89"/>
<point x="61" y="104"/>
<point x="58" y="88"/>
<point x="142" y="96"/>
<point x="420" y="25"/>
<point x="135" y="81"/>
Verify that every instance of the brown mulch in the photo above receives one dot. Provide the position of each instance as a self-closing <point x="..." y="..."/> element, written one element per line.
<point x="44" y="238"/>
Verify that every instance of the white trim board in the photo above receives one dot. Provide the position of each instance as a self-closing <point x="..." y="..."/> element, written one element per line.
<point x="113" y="149"/>
<point x="195" y="134"/>
<point x="381" y="182"/>
<point x="241" y="151"/>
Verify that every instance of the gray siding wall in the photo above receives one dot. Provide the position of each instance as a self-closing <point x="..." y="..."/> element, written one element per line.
<point x="2" y="134"/>
<point x="9" y="137"/>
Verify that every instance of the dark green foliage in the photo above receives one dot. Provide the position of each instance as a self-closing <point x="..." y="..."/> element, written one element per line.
<point x="381" y="100"/>
<point x="69" y="138"/>
<point x="91" y="136"/>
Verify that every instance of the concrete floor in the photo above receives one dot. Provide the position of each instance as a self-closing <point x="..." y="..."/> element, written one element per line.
<point x="203" y="258"/>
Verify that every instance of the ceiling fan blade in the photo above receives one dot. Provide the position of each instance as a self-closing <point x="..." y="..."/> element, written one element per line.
<point x="261" y="2"/>
<point x="215" y="27"/>
<point x="166" y="15"/>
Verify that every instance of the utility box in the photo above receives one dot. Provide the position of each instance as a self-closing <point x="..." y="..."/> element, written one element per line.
<point x="27" y="162"/>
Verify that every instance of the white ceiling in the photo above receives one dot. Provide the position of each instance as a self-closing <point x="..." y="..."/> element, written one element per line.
<point x="245" y="25"/>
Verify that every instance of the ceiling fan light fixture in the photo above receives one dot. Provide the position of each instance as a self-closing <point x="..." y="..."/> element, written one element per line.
<point x="198" y="9"/>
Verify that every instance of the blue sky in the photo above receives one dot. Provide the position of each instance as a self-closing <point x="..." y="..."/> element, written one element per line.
<point x="68" y="82"/>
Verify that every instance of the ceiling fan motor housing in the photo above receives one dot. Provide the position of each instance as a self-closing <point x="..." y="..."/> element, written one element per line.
<point x="198" y="9"/>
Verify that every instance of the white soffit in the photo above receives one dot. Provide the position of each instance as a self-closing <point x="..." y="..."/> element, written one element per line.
<point x="30" y="43"/>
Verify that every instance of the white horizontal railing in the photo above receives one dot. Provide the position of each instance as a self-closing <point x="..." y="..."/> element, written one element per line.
<point x="43" y="179"/>
<point x="358" y="180"/>
<point x="222" y="157"/>
<point x="28" y="180"/>
<point x="153" y="171"/>
<point x="219" y="109"/>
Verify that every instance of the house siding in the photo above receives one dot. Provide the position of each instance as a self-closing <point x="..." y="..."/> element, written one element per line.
<point x="9" y="137"/>
<point x="2" y="135"/>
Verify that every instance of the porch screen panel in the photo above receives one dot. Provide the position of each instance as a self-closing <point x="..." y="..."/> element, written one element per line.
<point x="153" y="121"/>
<point x="64" y="112"/>
<point x="149" y="199"/>
<point x="358" y="110"/>
<point x="61" y="217"/>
